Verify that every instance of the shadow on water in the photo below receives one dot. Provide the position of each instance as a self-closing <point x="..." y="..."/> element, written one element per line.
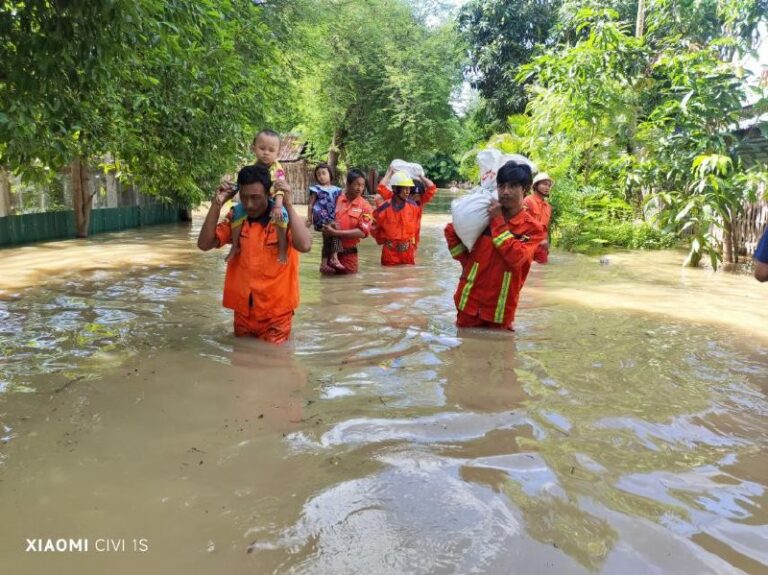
<point x="605" y="435"/>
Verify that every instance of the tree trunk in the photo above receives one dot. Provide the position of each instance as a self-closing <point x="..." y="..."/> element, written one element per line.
<point x="727" y="246"/>
<point x="693" y="260"/>
<point x="111" y="184"/>
<point x="730" y="240"/>
<point x="640" y="24"/>
<point x="333" y="151"/>
<point x="81" y="196"/>
<point x="5" y="193"/>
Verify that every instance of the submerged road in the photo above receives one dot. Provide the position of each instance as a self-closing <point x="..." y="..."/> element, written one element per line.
<point x="621" y="429"/>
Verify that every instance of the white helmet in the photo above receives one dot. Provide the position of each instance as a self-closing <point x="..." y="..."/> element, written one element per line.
<point x="542" y="177"/>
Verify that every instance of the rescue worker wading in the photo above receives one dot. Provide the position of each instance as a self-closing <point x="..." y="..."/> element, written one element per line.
<point x="396" y="223"/>
<point x="541" y="210"/>
<point x="494" y="271"/>
<point x="261" y="291"/>
<point x="422" y="193"/>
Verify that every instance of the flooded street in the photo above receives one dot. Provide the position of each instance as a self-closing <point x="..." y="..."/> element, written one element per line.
<point x="622" y="429"/>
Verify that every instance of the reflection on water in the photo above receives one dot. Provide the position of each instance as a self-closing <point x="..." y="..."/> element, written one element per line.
<point x="622" y="428"/>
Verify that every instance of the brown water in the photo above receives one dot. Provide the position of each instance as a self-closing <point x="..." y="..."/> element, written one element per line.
<point x="622" y="429"/>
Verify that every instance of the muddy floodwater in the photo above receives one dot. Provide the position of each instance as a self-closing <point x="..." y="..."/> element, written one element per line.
<point x="622" y="429"/>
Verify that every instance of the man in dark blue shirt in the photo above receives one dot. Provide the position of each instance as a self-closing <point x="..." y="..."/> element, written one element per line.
<point x="761" y="258"/>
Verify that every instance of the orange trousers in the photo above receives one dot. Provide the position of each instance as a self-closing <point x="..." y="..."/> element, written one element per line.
<point x="466" y="320"/>
<point x="349" y="261"/>
<point x="393" y="257"/>
<point x="275" y="329"/>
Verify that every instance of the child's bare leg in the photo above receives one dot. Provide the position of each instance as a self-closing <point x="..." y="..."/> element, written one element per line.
<point x="334" y="260"/>
<point x="282" y="244"/>
<point x="334" y="246"/>
<point x="235" y="249"/>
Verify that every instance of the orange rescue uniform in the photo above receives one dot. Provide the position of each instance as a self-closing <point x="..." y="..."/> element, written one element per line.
<point x="419" y="199"/>
<point x="262" y="292"/>
<point x="541" y="210"/>
<point x="494" y="271"/>
<point x="395" y="229"/>
<point x="351" y="215"/>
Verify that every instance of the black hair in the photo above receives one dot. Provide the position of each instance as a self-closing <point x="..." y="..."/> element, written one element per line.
<point x="514" y="173"/>
<point x="320" y="166"/>
<point x="353" y="174"/>
<point x="253" y="174"/>
<point x="271" y="133"/>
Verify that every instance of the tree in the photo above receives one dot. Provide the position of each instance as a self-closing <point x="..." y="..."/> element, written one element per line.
<point x="584" y="101"/>
<point x="502" y="36"/>
<point x="196" y="93"/>
<point x="689" y="155"/>
<point x="170" y="90"/>
<point x="56" y="85"/>
<point x="647" y="117"/>
<point x="376" y="82"/>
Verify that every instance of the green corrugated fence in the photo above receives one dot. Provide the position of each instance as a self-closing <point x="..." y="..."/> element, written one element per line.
<point x="30" y="228"/>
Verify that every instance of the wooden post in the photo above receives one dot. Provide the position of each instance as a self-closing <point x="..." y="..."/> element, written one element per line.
<point x="19" y="200"/>
<point x="373" y="181"/>
<point x="5" y="193"/>
<point x="81" y="197"/>
<point x="640" y="24"/>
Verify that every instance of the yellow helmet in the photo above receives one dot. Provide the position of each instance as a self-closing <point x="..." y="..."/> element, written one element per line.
<point x="401" y="179"/>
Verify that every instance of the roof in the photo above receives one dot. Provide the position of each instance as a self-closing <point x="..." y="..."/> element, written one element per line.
<point x="291" y="148"/>
<point x="752" y="122"/>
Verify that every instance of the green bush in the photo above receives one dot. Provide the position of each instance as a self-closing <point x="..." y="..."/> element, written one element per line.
<point x="442" y="169"/>
<point x="590" y="220"/>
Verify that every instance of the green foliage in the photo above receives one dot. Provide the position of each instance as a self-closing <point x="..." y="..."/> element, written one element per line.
<point x="56" y="73"/>
<point x="584" y="105"/>
<point x="501" y="37"/>
<point x="375" y="82"/>
<point x="171" y="89"/>
<point x="442" y="169"/>
<point x="201" y="91"/>
<point x="641" y="118"/>
<point x="590" y="220"/>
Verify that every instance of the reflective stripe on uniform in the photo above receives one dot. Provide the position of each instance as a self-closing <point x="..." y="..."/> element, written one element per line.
<point x="468" y="286"/>
<point x="457" y="249"/>
<point x="501" y="238"/>
<point x="501" y="304"/>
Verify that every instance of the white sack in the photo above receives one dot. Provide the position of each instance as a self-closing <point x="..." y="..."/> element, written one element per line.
<point x="491" y="159"/>
<point x="470" y="212"/>
<point x="411" y="168"/>
<point x="470" y="215"/>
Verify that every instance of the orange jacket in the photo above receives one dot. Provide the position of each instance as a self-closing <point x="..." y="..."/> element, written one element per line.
<point x="255" y="279"/>
<point x="494" y="271"/>
<point x="539" y="208"/>
<point x="395" y="230"/>
<point x="357" y="214"/>
<point x="419" y="199"/>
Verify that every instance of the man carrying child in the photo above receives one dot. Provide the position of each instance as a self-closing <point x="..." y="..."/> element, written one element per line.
<point x="262" y="291"/>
